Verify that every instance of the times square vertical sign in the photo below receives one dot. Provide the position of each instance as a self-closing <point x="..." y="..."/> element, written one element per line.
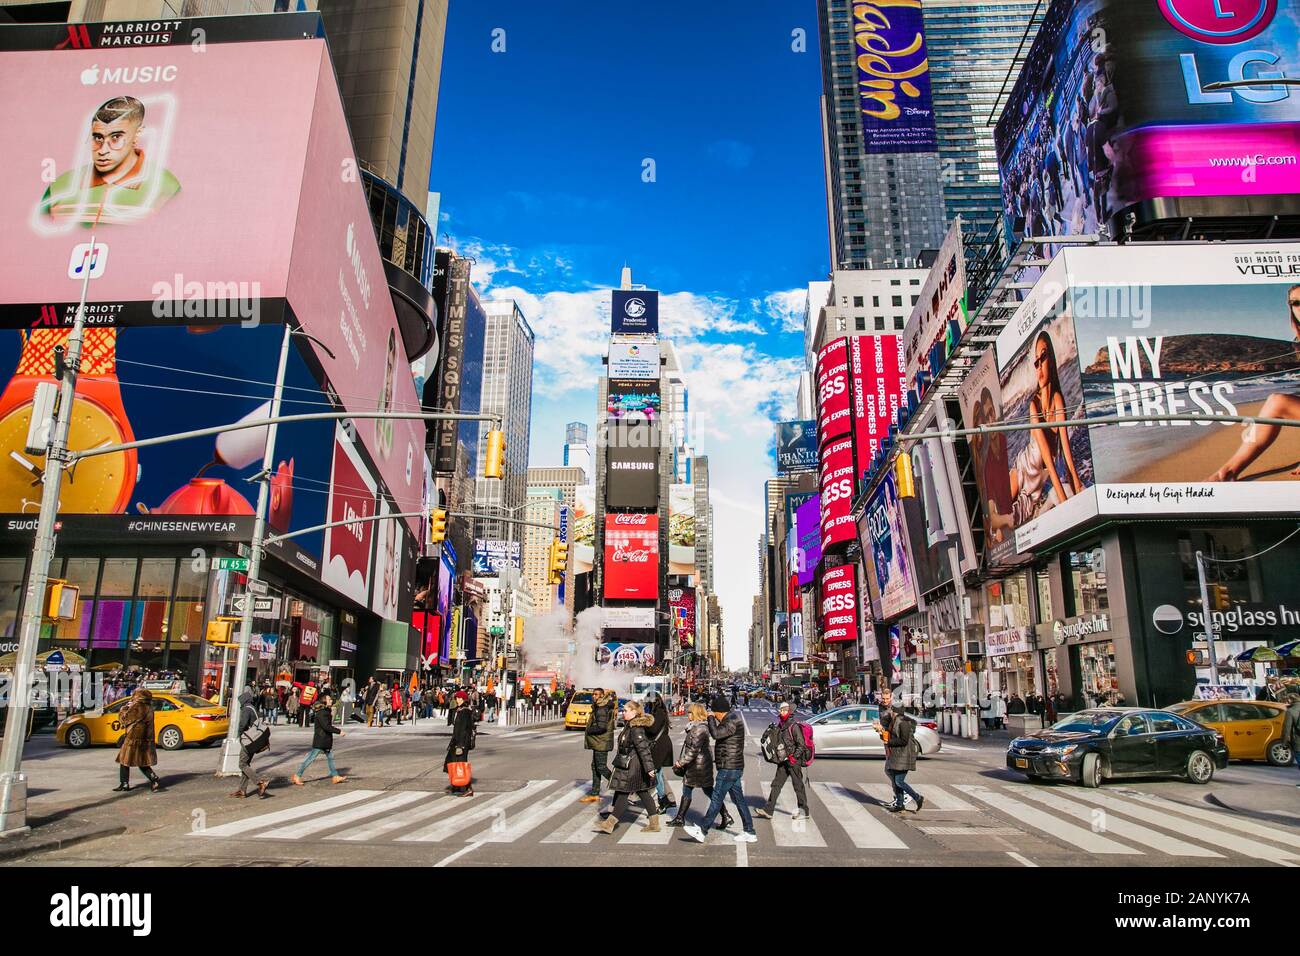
<point x="893" y="69"/>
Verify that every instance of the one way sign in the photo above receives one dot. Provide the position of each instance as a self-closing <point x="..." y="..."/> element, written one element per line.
<point x="262" y="607"/>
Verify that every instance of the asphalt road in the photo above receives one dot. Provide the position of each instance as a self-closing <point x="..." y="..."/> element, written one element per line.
<point x="393" y="810"/>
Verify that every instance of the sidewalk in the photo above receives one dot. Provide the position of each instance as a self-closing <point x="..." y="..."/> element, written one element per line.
<point x="55" y="833"/>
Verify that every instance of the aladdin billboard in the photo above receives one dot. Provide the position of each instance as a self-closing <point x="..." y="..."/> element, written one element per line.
<point x="1115" y="108"/>
<point x="632" y="556"/>
<point x="198" y="252"/>
<point x="893" y="77"/>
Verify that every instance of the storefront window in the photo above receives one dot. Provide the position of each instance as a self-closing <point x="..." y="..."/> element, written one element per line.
<point x="1043" y="584"/>
<point x="1086" y="582"/>
<point x="1008" y="603"/>
<point x="149" y="622"/>
<point x="187" y="620"/>
<point x="1099" y="682"/>
<point x="83" y="573"/>
<point x="11" y="592"/>
<point x="113" y="609"/>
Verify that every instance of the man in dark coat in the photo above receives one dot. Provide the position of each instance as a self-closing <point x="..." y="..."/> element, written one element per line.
<point x="791" y="735"/>
<point x="370" y="696"/>
<point x="900" y="758"/>
<point x="727" y="728"/>
<point x="599" y="739"/>
<point x="462" y="739"/>
<point x="661" y="743"/>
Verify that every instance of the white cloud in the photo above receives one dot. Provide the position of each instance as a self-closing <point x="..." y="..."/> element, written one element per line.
<point x="786" y="307"/>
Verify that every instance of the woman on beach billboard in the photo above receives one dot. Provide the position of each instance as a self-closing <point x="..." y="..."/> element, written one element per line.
<point x="1212" y="332"/>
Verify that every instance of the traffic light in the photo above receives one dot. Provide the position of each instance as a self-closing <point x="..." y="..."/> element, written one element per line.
<point x="559" y="561"/>
<point x="218" y="631"/>
<point x="1219" y="592"/>
<point x="496" y="453"/>
<point x="904" y="480"/>
<point x="437" y="525"/>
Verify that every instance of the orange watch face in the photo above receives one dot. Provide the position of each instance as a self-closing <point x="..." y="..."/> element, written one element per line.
<point x="99" y="485"/>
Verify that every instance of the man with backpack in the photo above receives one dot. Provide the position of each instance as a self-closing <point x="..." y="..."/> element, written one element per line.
<point x="788" y="744"/>
<point x="900" y="754"/>
<point x="254" y="737"/>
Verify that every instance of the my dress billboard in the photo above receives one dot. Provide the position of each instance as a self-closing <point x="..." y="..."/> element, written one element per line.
<point x="187" y="238"/>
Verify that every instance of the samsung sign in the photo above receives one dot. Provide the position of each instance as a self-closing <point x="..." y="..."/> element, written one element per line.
<point x="634" y="312"/>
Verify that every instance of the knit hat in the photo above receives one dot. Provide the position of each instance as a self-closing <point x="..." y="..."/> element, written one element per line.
<point x="720" y="704"/>
<point x="461" y="695"/>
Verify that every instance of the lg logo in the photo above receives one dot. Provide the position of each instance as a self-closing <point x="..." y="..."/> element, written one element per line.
<point x="1220" y="21"/>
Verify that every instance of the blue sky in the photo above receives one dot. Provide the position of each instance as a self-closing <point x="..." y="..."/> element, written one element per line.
<point x="540" y="156"/>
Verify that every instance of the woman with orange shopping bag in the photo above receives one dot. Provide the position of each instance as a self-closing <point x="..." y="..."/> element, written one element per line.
<point x="463" y="733"/>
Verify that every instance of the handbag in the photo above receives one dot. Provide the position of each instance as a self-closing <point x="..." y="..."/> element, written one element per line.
<point x="460" y="773"/>
<point x="622" y="761"/>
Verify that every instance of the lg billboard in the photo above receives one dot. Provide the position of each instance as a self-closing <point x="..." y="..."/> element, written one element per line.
<point x="1116" y="110"/>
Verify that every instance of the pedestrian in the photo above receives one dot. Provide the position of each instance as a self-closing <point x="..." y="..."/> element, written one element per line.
<point x="384" y="706"/>
<point x="137" y="748"/>
<point x="900" y="756"/>
<point x="254" y="737"/>
<point x="322" y="740"/>
<point x="793" y="748"/>
<point x="634" y="770"/>
<point x="462" y="739"/>
<point x="369" y="698"/>
<point x="727" y="728"/>
<point x="695" y="764"/>
<point x="599" y="739"/>
<point x="1291" y="728"/>
<point x="395" y="704"/>
<point x="271" y="705"/>
<point x="347" y="701"/>
<point x="416" y="702"/>
<point x="661" y="743"/>
<point x="292" y="706"/>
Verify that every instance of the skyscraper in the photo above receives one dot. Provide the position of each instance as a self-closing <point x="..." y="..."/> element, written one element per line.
<point x="882" y="208"/>
<point x="975" y="51"/>
<point x="508" y="392"/>
<point x="577" y="447"/>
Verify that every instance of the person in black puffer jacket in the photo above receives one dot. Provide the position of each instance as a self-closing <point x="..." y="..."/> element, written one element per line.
<point x="727" y="728"/>
<point x="634" y="770"/>
<point x="661" y="743"/>
<point x="696" y="763"/>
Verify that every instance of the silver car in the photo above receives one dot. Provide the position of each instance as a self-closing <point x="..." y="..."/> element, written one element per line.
<point x="849" y="732"/>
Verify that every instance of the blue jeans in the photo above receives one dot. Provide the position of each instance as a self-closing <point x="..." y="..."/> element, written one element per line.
<point x="661" y="788"/>
<point x="899" y="780"/>
<point x="728" y="782"/>
<point x="312" y="755"/>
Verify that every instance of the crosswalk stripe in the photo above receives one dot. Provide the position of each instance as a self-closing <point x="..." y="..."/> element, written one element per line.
<point x="376" y="828"/>
<point x="1115" y="825"/>
<point x="437" y="832"/>
<point x="788" y="831"/>
<point x="1032" y="816"/>
<point x="236" y="827"/>
<point x="1223" y="818"/>
<point x="517" y="826"/>
<point x="351" y="814"/>
<point x="866" y="832"/>
<point x="941" y="799"/>
<point x="882" y="792"/>
<point x="1189" y="828"/>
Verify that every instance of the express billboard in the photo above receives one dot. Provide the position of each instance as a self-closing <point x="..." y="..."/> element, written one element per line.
<point x="632" y="476"/>
<point x="634" y="360"/>
<point x="876" y="367"/>
<point x="634" y="312"/>
<point x="1112" y="110"/>
<point x="834" y="398"/>
<point x="796" y="447"/>
<point x="893" y="71"/>
<point x="837" y="487"/>
<point x="632" y="556"/>
<point x="839" y="607"/>
<point x="187" y="239"/>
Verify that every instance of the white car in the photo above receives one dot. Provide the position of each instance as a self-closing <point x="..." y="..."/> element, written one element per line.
<point x="849" y="732"/>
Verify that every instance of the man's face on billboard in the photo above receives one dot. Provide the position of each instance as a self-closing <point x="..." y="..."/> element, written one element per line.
<point x="112" y="144"/>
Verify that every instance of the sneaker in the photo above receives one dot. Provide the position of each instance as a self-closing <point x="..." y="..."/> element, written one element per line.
<point x="801" y="815"/>
<point x="693" y="831"/>
<point x="744" y="836"/>
<point x="895" y="808"/>
<point x="762" y="812"/>
<point x="590" y="798"/>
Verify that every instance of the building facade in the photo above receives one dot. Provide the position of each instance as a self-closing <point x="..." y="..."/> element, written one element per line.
<point x="508" y="392"/>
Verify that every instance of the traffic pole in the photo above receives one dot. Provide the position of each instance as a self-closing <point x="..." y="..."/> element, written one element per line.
<point x="13" y="782"/>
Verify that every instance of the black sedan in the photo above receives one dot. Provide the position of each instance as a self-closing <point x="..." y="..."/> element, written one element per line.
<point x="1113" y="742"/>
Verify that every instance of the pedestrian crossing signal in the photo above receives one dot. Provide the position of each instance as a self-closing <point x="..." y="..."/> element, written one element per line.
<point x="438" y="525"/>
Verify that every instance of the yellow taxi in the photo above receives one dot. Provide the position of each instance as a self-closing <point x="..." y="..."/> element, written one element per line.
<point x="575" y="718"/>
<point x="178" y="719"/>
<point x="1252" y="728"/>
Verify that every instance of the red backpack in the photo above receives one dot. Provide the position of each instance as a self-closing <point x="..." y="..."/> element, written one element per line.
<point x="809" y="750"/>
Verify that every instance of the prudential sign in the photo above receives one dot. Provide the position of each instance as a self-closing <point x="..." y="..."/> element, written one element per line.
<point x="634" y="312"/>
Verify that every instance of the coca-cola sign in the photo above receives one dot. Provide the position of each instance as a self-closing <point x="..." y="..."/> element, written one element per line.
<point x="632" y="556"/>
